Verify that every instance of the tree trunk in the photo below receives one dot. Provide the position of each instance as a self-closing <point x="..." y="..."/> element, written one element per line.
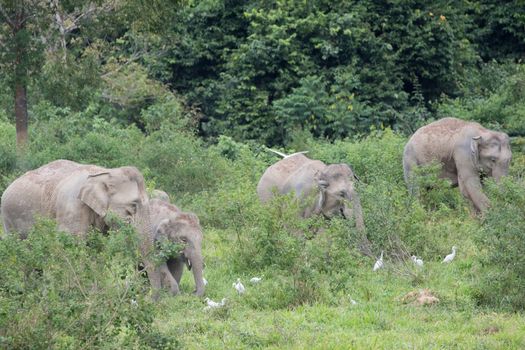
<point x="20" y="80"/>
<point x="21" y="114"/>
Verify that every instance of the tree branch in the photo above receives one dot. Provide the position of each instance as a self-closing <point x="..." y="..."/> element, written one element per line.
<point x="7" y="18"/>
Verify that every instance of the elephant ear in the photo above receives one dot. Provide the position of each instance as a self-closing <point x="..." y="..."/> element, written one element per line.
<point x="94" y="193"/>
<point x="353" y="173"/>
<point x="474" y="151"/>
<point x="161" y="230"/>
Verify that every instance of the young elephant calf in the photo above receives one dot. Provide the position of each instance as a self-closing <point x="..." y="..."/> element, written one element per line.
<point x="178" y="227"/>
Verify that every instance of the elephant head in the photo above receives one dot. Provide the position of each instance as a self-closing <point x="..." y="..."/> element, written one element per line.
<point x="491" y="154"/>
<point x="184" y="228"/>
<point x="120" y="191"/>
<point x="336" y="185"/>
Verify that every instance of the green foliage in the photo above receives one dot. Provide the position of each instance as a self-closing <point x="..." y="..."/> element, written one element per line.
<point x="166" y="249"/>
<point x="7" y="153"/>
<point x="501" y="243"/>
<point x="139" y="83"/>
<point x="74" y="292"/>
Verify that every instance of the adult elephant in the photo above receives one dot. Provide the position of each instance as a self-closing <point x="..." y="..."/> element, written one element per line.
<point x="466" y="150"/>
<point x="326" y="190"/>
<point x="80" y="197"/>
<point x="160" y="194"/>
<point x="173" y="225"/>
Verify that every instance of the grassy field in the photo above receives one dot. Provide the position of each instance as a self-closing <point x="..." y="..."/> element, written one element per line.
<point x="379" y="320"/>
<point x="74" y="294"/>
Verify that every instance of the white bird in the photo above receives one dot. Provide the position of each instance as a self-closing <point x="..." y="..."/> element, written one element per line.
<point x="353" y="302"/>
<point x="379" y="263"/>
<point x="417" y="261"/>
<point x="451" y="256"/>
<point x="213" y="304"/>
<point x="256" y="280"/>
<point x="204" y="281"/>
<point x="239" y="286"/>
<point x="284" y="155"/>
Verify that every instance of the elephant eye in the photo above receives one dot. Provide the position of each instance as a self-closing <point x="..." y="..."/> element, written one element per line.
<point x="493" y="160"/>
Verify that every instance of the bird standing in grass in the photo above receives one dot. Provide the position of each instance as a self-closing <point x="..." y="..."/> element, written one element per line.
<point x="213" y="304"/>
<point x="204" y="281"/>
<point x="379" y="263"/>
<point x="451" y="256"/>
<point x="255" y="280"/>
<point x="417" y="261"/>
<point x="239" y="286"/>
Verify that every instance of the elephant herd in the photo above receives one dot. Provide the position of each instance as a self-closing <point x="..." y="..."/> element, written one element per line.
<point x="80" y="197"/>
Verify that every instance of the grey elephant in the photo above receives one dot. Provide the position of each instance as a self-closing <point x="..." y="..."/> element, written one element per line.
<point x="80" y="197"/>
<point x="466" y="151"/>
<point x="160" y="194"/>
<point x="179" y="227"/>
<point x="324" y="189"/>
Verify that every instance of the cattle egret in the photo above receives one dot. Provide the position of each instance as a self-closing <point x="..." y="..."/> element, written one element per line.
<point x="204" y="281"/>
<point x="213" y="304"/>
<point x="451" y="256"/>
<point x="284" y="155"/>
<point x="239" y="286"/>
<point x="379" y="263"/>
<point x="417" y="261"/>
<point x="256" y="280"/>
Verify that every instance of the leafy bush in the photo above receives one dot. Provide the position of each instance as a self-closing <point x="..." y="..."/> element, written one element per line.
<point x="501" y="243"/>
<point x="74" y="293"/>
<point x="8" y="157"/>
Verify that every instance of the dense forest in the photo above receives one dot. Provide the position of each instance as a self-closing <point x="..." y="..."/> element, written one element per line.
<point x="192" y="93"/>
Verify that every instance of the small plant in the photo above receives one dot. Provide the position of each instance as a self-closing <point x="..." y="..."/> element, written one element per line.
<point x="166" y="249"/>
<point x="501" y="242"/>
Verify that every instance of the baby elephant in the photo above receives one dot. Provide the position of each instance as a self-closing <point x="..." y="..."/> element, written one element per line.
<point x="178" y="227"/>
<point x="466" y="151"/>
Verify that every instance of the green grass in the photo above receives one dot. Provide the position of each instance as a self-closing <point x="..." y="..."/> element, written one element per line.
<point x="303" y="301"/>
<point x="379" y="321"/>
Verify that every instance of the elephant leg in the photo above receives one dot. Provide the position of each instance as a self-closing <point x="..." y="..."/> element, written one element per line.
<point x="471" y="189"/>
<point x="167" y="279"/>
<point x="176" y="266"/>
<point x="470" y="184"/>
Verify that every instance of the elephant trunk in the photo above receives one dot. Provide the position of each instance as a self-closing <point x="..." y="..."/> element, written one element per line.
<point x="146" y="238"/>
<point x="197" y="265"/>
<point x="497" y="174"/>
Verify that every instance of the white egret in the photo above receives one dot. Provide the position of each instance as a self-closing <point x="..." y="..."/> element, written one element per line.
<point x="213" y="304"/>
<point x="379" y="263"/>
<point x="417" y="261"/>
<point x="239" y="286"/>
<point x="256" y="280"/>
<point x="451" y="256"/>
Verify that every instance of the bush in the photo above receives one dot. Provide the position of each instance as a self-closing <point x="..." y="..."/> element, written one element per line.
<point x="58" y="291"/>
<point x="501" y="243"/>
<point x="7" y="154"/>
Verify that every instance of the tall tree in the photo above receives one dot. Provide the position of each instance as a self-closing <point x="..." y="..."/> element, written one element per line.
<point x="21" y="52"/>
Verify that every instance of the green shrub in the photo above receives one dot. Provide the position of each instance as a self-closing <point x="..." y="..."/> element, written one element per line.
<point x="501" y="243"/>
<point x="181" y="164"/>
<point x="74" y="293"/>
<point x="8" y="158"/>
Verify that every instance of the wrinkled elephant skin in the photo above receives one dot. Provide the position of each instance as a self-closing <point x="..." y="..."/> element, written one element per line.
<point x="324" y="189"/>
<point x="178" y="227"/>
<point x="466" y="151"/>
